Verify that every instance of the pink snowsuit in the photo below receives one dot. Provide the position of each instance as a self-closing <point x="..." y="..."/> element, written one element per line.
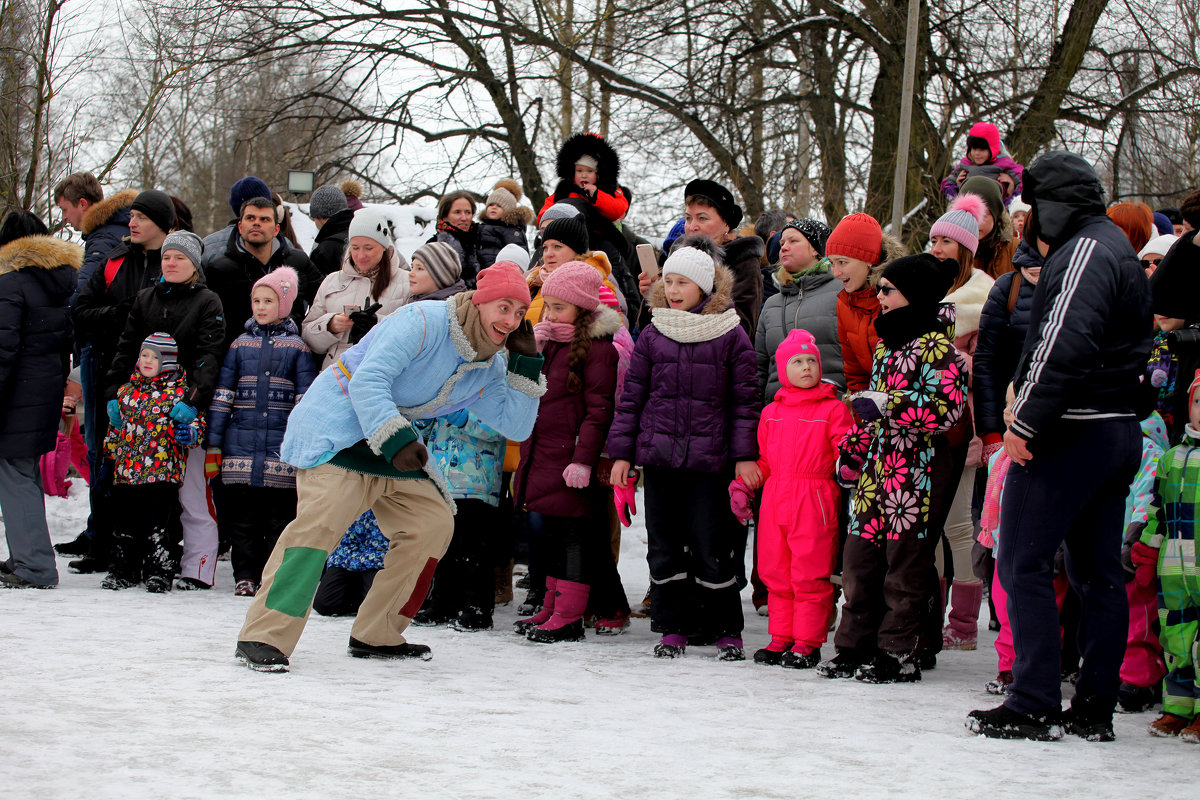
<point x="798" y="435"/>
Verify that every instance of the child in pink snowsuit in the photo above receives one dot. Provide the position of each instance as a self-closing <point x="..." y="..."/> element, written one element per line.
<point x="798" y="436"/>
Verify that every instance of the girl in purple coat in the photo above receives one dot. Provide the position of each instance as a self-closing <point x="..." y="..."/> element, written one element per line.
<point x="689" y="416"/>
<point x="555" y="481"/>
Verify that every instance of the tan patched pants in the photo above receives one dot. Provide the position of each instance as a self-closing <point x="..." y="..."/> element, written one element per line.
<point x="411" y="513"/>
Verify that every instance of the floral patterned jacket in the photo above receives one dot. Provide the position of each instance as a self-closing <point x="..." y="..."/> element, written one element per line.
<point x="143" y="447"/>
<point x="925" y="382"/>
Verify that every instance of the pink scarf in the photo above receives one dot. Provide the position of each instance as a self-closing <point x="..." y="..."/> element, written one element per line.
<point x="990" y="518"/>
<point x="553" y="332"/>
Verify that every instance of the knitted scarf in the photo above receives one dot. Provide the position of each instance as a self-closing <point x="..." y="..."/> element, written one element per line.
<point x="688" y="328"/>
<point x="553" y="332"/>
<point x="472" y="326"/>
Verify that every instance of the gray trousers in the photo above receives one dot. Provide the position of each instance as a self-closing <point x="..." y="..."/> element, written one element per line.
<point x="23" y="506"/>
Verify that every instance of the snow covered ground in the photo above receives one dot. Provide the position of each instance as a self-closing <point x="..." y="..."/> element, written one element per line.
<point x="131" y="695"/>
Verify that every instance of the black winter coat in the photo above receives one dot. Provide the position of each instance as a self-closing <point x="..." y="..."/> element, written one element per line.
<point x="233" y="273"/>
<point x="1090" y="326"/>
<point x="492" y="235"/>
<point x="192" y="315"/>
<point x="998" y="348"/>
<point x="102" y="308"/>
<point x="743" y="256"/>
<point x="37" y="279"/>
<point x="104" y="226"/>
<point x="330" y="243"/>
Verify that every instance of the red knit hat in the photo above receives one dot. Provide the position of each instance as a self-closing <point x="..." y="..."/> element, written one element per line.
<point x="857" y="236"/>
<point x="576" y="282"/>
<point x="797" y="342"/>
<point x="502" y="279"/>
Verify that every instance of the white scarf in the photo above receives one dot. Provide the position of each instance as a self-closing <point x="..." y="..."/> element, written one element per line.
<point x="688" y="328"/>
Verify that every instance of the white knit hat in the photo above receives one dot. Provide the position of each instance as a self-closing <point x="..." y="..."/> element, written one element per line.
<point x="695" y="265"/>
<point x="1159" y="244"/>
<point x="516" y="254"/>
<point x="375" y="223"/>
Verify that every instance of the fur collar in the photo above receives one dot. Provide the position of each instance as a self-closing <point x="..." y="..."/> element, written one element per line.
<point x="605" y="323"/>
<point x="720" y="300"/>
<point x="519" y="217"/>
<point x="968" y="301"/>
<point x="44" y="252"/>
<point x="101" y="212"/>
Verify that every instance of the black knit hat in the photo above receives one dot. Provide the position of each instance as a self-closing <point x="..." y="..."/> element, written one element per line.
<point x="158" y="207"/>
<point x="719" y="196"/>
<point x="814" y="230"/>
<point x="572" y="232"/>
<point x="922" y="279"/>
<point x="1173" y="284"/>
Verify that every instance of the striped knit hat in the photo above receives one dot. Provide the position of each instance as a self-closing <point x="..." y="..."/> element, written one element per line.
<point x="163" y="345"/>
<point x="961" y="222"/>
<point x="440" y="261"/>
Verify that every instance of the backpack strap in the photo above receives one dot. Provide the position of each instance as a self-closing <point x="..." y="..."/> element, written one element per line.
<point x="110" y="270"/>
<point x="1014" y="291"/>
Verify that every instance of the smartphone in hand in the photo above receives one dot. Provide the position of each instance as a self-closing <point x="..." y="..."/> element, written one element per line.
<point x="649" y="263"/>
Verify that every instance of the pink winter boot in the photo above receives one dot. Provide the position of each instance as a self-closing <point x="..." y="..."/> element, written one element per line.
<point x="962" y="632"/>
<point x="523" y="626"/>
<point x="566" y="625"/>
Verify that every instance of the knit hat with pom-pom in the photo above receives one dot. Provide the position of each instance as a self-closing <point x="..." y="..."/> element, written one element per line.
<point x="506" y="194"/>
<point x="353" y="191"/>
<point x="961" y="222"/>
<point x="326" y="201"/>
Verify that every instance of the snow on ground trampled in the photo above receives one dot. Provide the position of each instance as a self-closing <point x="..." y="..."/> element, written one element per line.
<point x="124" y="694"/>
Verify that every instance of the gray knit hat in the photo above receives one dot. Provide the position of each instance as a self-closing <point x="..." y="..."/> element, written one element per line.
<point x="187" y="243"/>
<point x="440" y="261"/>
<point x="560" y="211"/>
<point x="326" y="201"/>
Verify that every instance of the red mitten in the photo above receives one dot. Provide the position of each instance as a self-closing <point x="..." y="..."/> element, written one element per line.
<point x="1145" y="558"/>
<point x="212" y="462"/>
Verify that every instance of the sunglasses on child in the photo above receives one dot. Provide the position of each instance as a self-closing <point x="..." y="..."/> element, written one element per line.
<point x="1147" y="263"/>
<point x="886" y="290"/>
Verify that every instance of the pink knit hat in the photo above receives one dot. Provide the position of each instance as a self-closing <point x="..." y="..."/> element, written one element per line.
<point x="576" y="282"/>
<point x="285" y="283"/>
<point x="609" y="298"/>
<point x="797" y="342"/>
<point x="502" y="279"/>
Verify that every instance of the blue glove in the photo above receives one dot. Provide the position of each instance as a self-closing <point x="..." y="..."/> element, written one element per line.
<point x="869" y="405"/>
<point x="114" y="413"/>
<point x="183" y="413"/>
<point x="185" y="434"/>
<point x="459" y="418"/>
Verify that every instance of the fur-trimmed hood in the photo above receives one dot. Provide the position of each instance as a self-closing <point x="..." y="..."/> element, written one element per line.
<point x="594" y="145"/>
<point x="605" y="323"/>
<point x="103" y="211"/>
<point x="519" y="217"/>
<point x="717" y="303"/>
<point x="893" y="248"/>
<point x="968" y="301"/>
<point x="43" y="252"/>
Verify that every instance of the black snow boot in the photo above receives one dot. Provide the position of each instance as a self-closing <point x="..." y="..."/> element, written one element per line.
<point x="842" y="665"/>
<point x="261" y="657"/>
<point x="889" y="668"/>
<point x="1089" y="720"/>
<point x="802" y="658"/>
<point x="407" y="650"/>
<point x="81" y="545"/>
<point x="473" y="618"/>
<point x="1002" y="722"/>
<point x="1138" y="698"/>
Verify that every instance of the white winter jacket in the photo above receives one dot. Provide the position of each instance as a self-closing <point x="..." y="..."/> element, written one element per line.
<point x="347" y="287"/>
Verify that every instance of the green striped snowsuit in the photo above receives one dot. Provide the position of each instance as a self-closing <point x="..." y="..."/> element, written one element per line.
<point x="1171" y="529"/>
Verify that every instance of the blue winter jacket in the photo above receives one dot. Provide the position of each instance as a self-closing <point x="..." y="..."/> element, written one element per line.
<point x="266" y="372"/>
<point x="415" y="364"/>
<point x="471" y="457"/>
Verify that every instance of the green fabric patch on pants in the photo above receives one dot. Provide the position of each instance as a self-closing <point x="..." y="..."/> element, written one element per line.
<point x="296" y="581"/>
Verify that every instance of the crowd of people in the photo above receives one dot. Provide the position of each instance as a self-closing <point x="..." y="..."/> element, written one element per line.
<point x="1005" y="418"/>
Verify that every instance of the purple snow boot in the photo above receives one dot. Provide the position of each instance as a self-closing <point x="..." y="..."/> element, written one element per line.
<point x="523" y="626"/>
<point x="566" y="624"/>
<point x="962" y="631"/>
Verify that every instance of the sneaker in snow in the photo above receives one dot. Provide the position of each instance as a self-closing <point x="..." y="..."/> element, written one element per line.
<point x="407" y="650"/>
<point x="1002" y="722"/>
<point x="157" y="584"/>
<point x="842" y="665"/>
<point x="245" y="588"/>
<point x="191" y="584"/>
<point x="888" y="668"/>
<point x="1168" y="725"/>
<point x="116" y="582"/>
<point x="802" y="657"/>
<point x="261" y="657"/>
<point x="11" y="580"/>
<point x="1000" y="684"/>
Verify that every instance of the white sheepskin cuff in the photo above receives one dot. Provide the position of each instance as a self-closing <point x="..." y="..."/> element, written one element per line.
<point x="526" y="386"/>
<point x="386" y="431"/>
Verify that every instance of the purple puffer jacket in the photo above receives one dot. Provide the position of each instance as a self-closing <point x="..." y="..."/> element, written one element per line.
<point x="689" y="405"/>
<point x="570" y="428"/>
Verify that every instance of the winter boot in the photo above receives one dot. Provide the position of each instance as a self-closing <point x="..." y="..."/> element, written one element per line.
<point x="523" y="626"/>
<point x="245" y="588"/>
<point x="86" y="565"/>
<point x="566" y="623"/>
<point x="473" y="618"/>
<point x="81" y="545"/>
<point x="1168" y="725"/>
<point x="191" y="584"/>
<point x="1089" y="720"/>
<point x="262" y="657"/>
<point x="843" y="664"/>
<point x="772" y="654"/>
<point x="962" y="632"/>
<point x="1002" y="722"/>
<point x="643" y="609"/>
<point x="1138" y="698"/>
<point x="504" y="584"/>
<point x="730" y="648"/>
<point x="889" y="668"/>
<point x="613" y="625"/>
<point x="1191" y="734"/>
<point x="407" y="650"/>
<point x="671" y="645"/>
<point x="801" y="656"/>
<point x="116" y="581"/>
<point x="1001" y="683"/>
<point x="157" y="584"/>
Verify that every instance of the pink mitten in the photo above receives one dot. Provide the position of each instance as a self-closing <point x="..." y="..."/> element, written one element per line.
<point x="1145" y="559"/>
<point x="739" y="501"/>
<point x="625" y="499"/>
<point x="849" y="467"/>
<point x="577" y="476"/>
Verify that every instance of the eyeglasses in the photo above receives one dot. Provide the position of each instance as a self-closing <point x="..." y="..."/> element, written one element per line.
<point x="886" y="290"/>
<point x="1147" y="263"/>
